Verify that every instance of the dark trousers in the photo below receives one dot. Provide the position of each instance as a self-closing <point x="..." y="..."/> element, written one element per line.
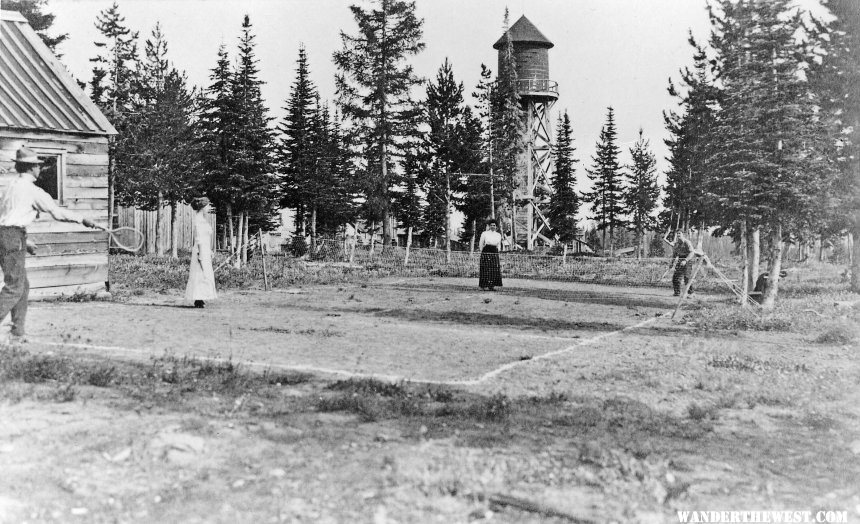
<point x="682" y="273"/>
<point x="16" y="287"/>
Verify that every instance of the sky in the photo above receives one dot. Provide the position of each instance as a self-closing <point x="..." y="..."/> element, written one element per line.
<point x="617" y="53"/>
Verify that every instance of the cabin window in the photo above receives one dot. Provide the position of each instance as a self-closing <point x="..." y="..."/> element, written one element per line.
<point x="51" y="175"/>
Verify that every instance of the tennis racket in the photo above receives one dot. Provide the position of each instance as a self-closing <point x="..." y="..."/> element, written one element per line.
<point x="125" y="238"/>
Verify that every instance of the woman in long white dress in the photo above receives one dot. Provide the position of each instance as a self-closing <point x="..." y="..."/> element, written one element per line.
<point x="201" y="277"/>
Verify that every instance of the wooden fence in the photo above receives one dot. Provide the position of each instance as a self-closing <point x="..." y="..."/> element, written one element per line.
<point x="145" y="222"/>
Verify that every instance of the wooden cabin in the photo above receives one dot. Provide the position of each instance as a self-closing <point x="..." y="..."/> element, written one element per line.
<point x="42" y="107"/>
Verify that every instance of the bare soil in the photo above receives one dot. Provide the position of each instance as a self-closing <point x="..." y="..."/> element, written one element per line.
<point x="597" y="407"/>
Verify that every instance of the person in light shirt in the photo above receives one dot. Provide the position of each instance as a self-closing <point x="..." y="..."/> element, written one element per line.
<point x="490" y="271"/>
<point x="19" y="207"/>
<point x="201" y="276"/>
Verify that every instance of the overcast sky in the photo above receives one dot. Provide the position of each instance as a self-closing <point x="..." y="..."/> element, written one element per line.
<point x="607" y="52"/>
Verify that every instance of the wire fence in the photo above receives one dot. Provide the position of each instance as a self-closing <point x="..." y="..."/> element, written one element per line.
<point x="393" y="261"/>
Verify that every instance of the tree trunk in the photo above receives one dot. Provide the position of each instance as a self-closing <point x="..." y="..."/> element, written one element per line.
<point x="240" y="227"/>
<point x="492" y="195"/>
<point x="472" y="244"/>
<point x="231" y="246"/>
<point x="372" y="231"/>
<point x="773" y="268"/>
<point x="245" y="238"/>
<point x="603" y="241"/>
<point x="513" y="223"/>
<point x="447" y="216"/>
<point x="159" y="249"/>
<point x="174" y="235"/>
<point x="755" y="254"/>
<point x="855" y="255"/>
<point x="313" y="230"/>
<point x="111" y="180"/>
<point x="820" y="248"/>
<point x="386" y="231"/>
<point x="745" y="263"/>
<point x="408" y="245"/>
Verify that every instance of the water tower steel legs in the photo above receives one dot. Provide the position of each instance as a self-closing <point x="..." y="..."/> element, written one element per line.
<point x="537" y="160"/>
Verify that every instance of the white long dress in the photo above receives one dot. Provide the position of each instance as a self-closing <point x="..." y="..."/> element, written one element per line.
<point x="201" y="277"/>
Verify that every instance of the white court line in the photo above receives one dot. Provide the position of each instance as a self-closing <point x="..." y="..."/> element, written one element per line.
<point x="350" y="374"/>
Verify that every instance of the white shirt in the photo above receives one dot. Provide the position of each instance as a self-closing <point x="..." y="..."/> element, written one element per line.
<point x="490" y="238"/>
<point x="23" y="201"/>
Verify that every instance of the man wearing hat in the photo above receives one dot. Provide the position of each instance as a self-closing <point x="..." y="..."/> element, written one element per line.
<point x="19" y="207"/>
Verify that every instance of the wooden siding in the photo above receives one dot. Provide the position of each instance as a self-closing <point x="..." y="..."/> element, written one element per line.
<point x="70" y="257"/>
<point x="145" y="222"/>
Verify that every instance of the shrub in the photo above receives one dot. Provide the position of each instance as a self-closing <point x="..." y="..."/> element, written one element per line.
<point x="839" y="334"/>
<point x="298" y="246"/>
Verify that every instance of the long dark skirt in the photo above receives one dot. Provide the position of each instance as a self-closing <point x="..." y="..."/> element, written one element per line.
<point x="490" y="271"/>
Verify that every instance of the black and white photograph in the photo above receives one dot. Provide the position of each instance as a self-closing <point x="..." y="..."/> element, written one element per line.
<point x="429" y="261"/>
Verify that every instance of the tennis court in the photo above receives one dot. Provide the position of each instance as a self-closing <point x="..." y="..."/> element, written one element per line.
<point x="420" y="329"/>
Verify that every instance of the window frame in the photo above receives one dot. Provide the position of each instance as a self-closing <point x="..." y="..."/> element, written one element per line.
<point x="60" y="154"/>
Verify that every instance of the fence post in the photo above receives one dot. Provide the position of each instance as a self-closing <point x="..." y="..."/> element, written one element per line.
<point x="263" y="258"/>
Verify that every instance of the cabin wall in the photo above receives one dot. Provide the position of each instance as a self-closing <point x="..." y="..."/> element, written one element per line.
<point x="70" y="257"/>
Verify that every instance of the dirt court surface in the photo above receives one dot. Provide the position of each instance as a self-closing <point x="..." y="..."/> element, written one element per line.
<point x="440" y="330"/>
<point x="775" y="415"/>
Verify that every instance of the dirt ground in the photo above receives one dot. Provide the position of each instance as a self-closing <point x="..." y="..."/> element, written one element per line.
<point x="774" y="416"/>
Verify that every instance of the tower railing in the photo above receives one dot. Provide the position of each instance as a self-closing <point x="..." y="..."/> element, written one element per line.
<point x="536" y="85"/>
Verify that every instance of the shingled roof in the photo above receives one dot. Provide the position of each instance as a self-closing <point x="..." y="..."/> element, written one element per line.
<point x="523" y="31"/>
<point x="36" y="91"/>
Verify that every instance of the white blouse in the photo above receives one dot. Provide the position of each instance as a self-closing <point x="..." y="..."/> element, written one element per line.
<point x="490" y="238"/>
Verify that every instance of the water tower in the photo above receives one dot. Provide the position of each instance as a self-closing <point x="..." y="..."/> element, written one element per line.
<point x="537" y="96"/>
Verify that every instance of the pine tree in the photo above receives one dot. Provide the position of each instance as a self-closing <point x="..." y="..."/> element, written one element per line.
<point x="297" y="155"/>
<point x="443" y="112"/>
<point x="114" y="69"/>
<point x="164" y="168"/>
<point x="253" y="181"/>
<point x="215" y="131"/>
<point x="407" y="202"/>
<point x="642" y="192"/>
<point x="606" y="195"/>
<point x="40" y="21"/>
<point x="480" y="192"/>
<point x="112" y="85"/>
<point x="564" y="202"/>
<point x="507" y="127"/>
<point x="769" y="146"/>
<point x="475" y="201"/>
<point x="685" y="201"/>
<point x="331" y="205"/>
<point x="836" y="80"/>
<point x="373" y="87"/>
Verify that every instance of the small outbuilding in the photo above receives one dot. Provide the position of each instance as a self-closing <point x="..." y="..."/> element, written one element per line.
<point x="42" y="107"/>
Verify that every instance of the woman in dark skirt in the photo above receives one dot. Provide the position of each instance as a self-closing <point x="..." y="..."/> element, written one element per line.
<point x="490" y="271"/>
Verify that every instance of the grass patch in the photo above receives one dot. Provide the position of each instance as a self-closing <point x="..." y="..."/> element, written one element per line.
<point x="697" y="412"/>
<point x="839" y="334"/>
<point x="754" y="365"/>
<point x="35" y="369"/>
<point x="369" y="386"/>
<point x="286" y="378"/>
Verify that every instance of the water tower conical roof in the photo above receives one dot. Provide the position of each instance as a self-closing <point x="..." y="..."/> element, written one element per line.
<point x="523" y="31"/>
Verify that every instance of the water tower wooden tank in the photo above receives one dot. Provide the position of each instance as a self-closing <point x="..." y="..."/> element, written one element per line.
<point x="537" y="96"/>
